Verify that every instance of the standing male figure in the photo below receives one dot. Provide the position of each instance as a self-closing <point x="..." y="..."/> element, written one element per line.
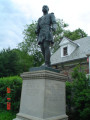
<point x="46" y="24"/>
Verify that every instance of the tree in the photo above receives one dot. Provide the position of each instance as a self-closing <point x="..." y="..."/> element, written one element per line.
<point x="76" y="34"/>
<point x="14" y="62"/>
<point x="37" y="59"/>
<point x="24" y="60"/>
<point x="30" y="42"/>
<point x="78" y="96"/>
<point x="8" y="63"/>
<point x="81" y="96"/>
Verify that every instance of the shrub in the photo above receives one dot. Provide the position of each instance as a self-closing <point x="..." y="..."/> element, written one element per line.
<point x="69" y="98"/>
<point x="15" y="84"/>
<point x="78" y="96"/>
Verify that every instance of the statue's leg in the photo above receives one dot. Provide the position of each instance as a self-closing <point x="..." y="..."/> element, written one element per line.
<point x="47" y="53"/>
<point x="43" y="50"/>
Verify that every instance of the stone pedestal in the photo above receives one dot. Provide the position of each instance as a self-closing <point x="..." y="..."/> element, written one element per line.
<point x="43" y="96"/>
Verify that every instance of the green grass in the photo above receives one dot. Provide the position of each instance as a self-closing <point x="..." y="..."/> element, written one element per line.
<point x="7" y="115"/>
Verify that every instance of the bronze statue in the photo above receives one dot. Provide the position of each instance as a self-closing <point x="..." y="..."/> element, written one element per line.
<point x="46" y="24"/>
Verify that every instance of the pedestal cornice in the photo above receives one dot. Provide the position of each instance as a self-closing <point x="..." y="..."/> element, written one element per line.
<point x="44" y="74"/>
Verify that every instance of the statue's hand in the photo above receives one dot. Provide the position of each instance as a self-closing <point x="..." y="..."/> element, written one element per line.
<point x="51" y="44"/>
<point x="53" y="29"/>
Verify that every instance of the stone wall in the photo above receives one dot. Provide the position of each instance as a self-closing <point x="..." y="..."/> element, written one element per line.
<point x="68" y="69"/>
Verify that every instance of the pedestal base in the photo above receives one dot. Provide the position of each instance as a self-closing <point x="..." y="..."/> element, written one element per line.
<point x="22" y="116"/>
<point x="43" y="96"/>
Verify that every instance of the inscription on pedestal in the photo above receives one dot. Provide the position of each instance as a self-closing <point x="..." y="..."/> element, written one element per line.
<point x="31" y="88"/>
<point x="32" y="98"/>
<point x="55" y="98"/>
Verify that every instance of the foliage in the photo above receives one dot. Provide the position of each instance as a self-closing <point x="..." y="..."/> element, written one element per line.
<point x="24" y="60"/>
<point x="27" y="61"/>
<point x="14" y="62"/>
<point x="76" y="34"/>
<point x="15" y="84"/>
<point x="6" y="115"/>
<point x="82" y="105"/>
<point x="68" y="95"/>
<point x="8" y="63"/>
<point x="78" y="96"/>
<point x="37" y="59"/>
<point x="30" y="41"/>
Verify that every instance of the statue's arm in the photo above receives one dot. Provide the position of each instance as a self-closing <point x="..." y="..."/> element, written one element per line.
<point x="53" y="22"/>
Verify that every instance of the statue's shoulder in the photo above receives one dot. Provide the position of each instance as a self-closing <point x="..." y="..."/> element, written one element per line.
<point x="51" y="14"/>
<point x="40" y="18"/>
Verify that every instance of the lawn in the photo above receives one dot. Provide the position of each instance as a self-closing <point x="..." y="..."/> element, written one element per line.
<point x="7" y="115"/>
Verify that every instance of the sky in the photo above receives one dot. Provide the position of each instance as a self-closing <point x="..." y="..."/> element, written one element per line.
<point x="15" y="14"/>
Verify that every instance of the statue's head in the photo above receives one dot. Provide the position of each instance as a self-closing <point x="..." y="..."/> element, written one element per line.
<point x="45" y="8"/>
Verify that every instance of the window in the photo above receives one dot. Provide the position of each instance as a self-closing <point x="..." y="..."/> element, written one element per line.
<point x="65" y="51"/>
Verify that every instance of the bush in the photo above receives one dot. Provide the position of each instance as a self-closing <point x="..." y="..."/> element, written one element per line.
<point x="15" y="84"/>
<point x="69" y="98"/>
<point x="78" y="96"/>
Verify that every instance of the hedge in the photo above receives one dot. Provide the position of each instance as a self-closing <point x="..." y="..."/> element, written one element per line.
<point x="15" y="84"/>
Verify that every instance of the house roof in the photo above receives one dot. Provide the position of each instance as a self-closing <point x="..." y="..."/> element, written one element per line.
<point x="70" y="41"/>
<point x="79" y="53"/>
